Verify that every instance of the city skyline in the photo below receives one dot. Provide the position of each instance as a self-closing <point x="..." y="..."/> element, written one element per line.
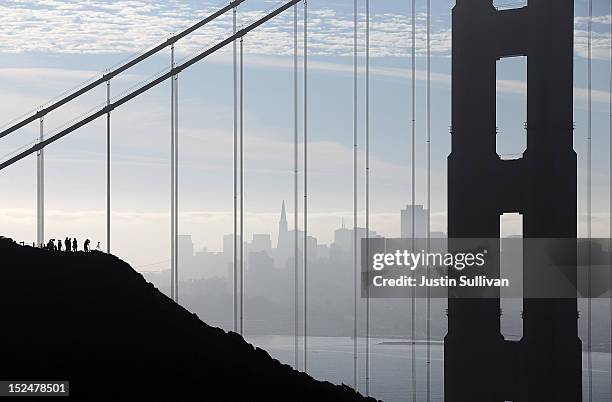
<point x="202" y="262"/>
<point x="140" y="200"/>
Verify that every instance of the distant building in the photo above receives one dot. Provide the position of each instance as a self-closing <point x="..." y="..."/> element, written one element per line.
<point x="185" y="255"/>
<point x="284" y="248"/>
<point x="260" y="273"/>
<point x="202" y="264"/>
<point x="208" y="264"/>
<point x="185" y="247"/>
<point x="261" y="243"/>
<point x="322" y="251"/>
<point x="420" y="222"/>
<point x="283" y="231"/>
<point x="259" y="261"/>
<point x="343" y="239"/>
<point x="228" y="245"/>
<point x="262" y="278"/>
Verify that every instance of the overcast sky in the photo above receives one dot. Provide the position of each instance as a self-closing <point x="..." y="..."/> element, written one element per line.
<point x="51" y="46"/>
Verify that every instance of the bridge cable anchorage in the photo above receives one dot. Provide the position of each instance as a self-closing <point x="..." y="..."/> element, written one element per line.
<point x="172" y="177"/>
<point x="296" y="281"/>
<point x="241" y="185"/>
<point x="111" y="74"/>
<point x="367" y="196"/>
<point x="413" y="195"/>
<point x="355" y="167"/>
<point x="108" y="169"/>
<point x="131" y="95"/>
<point x="589" y="202"/>
<point x="235" y="239"/>
<point x="305" y="186"/>
<point x="428" y="307"/>
<point x="40" y="182"/>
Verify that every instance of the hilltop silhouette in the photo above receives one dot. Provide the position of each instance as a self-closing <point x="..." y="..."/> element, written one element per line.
<point x="91" y="319"/>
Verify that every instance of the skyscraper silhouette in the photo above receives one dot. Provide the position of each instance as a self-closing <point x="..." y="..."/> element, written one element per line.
<point x="283" y="230"/>
<point x="420" y="222"/>
<point x="546" y="364"/>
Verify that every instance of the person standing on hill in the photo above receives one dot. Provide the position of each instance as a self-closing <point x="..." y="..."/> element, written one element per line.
<point x="59" y="244"/>
<point x="67" y="243"/>
<point x="75" y="245"/>
<point x="86" y="245"/>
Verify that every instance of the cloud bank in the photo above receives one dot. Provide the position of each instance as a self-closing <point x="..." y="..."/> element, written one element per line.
<point x="128" y="26"/>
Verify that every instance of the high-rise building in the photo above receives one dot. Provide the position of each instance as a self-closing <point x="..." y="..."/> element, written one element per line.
<point x="261" y="243"/>
<point x="343" y="238"/>
<point x="186" y="260"/>
<point x="283" y="231"/>
<point x="284" y="244"/>
<point x="185" y="249"/>
<point x="420" y="222"/>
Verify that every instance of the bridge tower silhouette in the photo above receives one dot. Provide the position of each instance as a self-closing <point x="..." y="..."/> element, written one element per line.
<point x="545" y="365"/>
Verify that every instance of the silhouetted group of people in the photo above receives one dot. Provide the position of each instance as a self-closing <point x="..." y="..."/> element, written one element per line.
<point x="69" y="245"/>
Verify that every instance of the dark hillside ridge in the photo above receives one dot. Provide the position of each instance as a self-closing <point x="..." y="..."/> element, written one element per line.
<point x="91" y="319"/>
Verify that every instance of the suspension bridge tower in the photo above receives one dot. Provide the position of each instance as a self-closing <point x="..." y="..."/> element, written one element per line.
<point x="545" y="365"/>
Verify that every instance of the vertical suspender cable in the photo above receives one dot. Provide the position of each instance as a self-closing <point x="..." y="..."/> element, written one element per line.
<point x="235" y="262"/>
<point x="413" y="126"/>
<point x="413" y="193"/>
<point x="367" y="195"/>
<point x="176" y="189"/>
<point x="296" y="280"/>
<point x="589" y="200"/>
<point x="40" y="232"/>
<point x="428" y="308"/>
<point x="241" y="186"/>
<point x="610" y="192"/>
<point x="355" y="248"/>
<point x="305" y="185"/>
<point x="108" y="169"/>
<point x="172" y="165"/>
